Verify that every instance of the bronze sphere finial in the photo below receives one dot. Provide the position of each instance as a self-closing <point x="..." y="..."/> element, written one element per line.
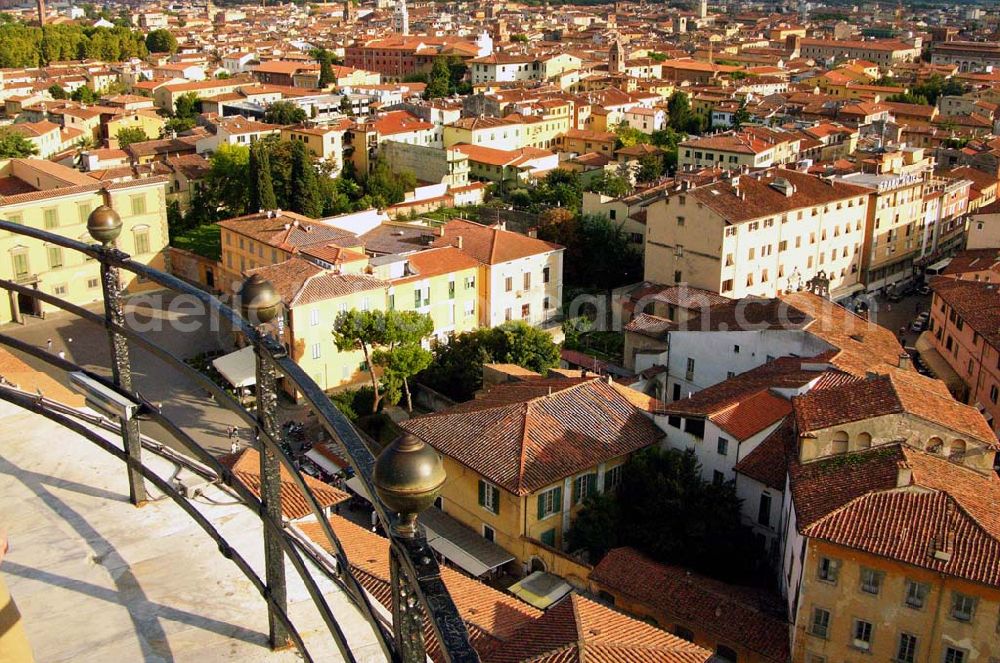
<point x="104" y="224"/>
<point x="259" y="301"/>
<point x="408" y="477"/>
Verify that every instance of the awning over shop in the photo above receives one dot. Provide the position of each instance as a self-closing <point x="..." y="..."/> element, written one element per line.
<point x="461" y="545"/>
<point x="938" y="365"/>
<point x="938" y="266"/>
<point x="541" y="589"/>
<point x="239" y="368"/>
<point x="317" y="456"/>
<point x="354" y="483"/>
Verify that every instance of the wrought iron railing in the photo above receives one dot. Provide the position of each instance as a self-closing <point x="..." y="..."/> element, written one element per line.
<point x="418" y="592"/>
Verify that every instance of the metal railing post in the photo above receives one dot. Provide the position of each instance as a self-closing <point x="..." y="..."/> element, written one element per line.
<point x="407" y="614"/>
<point x="270" y="490"/>
<point x="121" y="373"/>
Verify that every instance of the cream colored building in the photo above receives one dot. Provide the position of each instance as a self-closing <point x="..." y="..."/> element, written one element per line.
<point x="896" y="182"/>
<point x="325" y="141"/>
<point x="758" y="235"/>
<point x="51" y="197"/>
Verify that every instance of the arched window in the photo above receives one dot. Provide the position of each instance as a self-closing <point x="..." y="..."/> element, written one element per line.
<point x="935" y="445"/>
<point x="956" y="450"/>
<point x="840" y="442"/>
<point x="864" y="441"/>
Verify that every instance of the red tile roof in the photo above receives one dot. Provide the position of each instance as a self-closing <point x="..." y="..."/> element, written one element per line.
<point x="896" y="392"/>
<point x="525" y="436"/>
<point x="768" y="462"/>
<point x="245" y="466"/>
<point x="491" y="245"/>
<point x="735" y="616"/>
<point x="945" y="508"/>
<point x="978" y="302"/>
<point x="503" y="629"/>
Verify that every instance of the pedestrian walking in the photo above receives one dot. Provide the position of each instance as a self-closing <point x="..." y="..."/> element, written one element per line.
<point x="48" y="345"/>
<point x="235" y="446"/>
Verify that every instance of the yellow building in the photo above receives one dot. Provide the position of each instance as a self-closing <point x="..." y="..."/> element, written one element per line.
<point x="522" y="457"/>
<point x="326" y="141"/>
<point x="891" y="537"/>
<point x="322" y="281"/>
<point x="497" y="133"/>
<point x="44" y="195"/>
<point x="896" y="181"/>
<point x="147" y="120"/>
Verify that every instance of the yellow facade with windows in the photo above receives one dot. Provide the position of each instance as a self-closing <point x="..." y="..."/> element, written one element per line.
<point x="530" y="527"/>
<point x="951" y="619"/>
<point x="68" y="274"/>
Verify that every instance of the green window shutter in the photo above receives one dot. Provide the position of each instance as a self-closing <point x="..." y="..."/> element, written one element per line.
<point x="541" y="506"/>
<point x="607" y="481"/>
<point x="482" y="493"/>
<point x="557" y="500"/>
<point x="496" y="499"/>
<point x="549" y="537"/>
<point x="576" y="491"/>
<point x="591" y="484"/>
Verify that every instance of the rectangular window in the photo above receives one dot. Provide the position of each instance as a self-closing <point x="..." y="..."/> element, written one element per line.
<point x="50" y="218"/>
<point x="392" y="301"/>
<point x="550" y="502"/>
<point x="141" y="241"/>
<point x="548" y="537"/>
<point x="689" y="374"/>
<point x="963" y="607"/>
<point x="489" y="497"/>
<point x="955" y="655"/>
<point x="723" y="446"/>
<point x="316" y="350"/>
<point x="508" y="284"/>
<point x="862" y="634"/>
<point x="20" y="265"/>
<point x="674" y="421"/>
<point x="92" y="283"/>
<point x="59" y="289"/>
<point x="55" y="256"/>
<point x="83" y="212"/>
<point x="871" y="581"/>
<point x="545" y="274"/>
<point x="584" y="485"/>
<point x="314" y="317"/>
<point x="451" y="290"/>
<point x="764" y="510"/>
<point x="416" y="298"/>
<point x="695" y="427"/>
<point x="718" y="478"/>
<point x="138" y="204"/>
<point x="613" y="477"/>
<point x="828" y="570"/>
<point x="906" y="652"/>
<point x="527" y="280"/>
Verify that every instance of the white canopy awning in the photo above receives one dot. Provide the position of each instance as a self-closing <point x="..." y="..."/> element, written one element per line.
<point x="239" y="368"/>
<point x="540" y="589"/>
<point x="461" y="545"/>
<point x="322" y="461"/>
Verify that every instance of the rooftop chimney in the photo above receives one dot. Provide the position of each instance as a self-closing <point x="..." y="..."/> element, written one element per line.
<point x="905" y="362"/>
<point x="458" y="242"/>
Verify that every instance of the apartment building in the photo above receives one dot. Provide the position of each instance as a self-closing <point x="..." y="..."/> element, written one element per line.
<point x="362" y="141"/>
<point x="896" y="181"/>
<point x="882" y="52"/>
<point x="759" y="234"/>
<point x="44" y="195"/>
<point x="962" y="331"/>
<point x="860" y="579"/>
<point x="326" y="141"/>
<point x="520" y="276"/>
<point x="555" y="442"/>
<point x="946" y="204"/>
<point x="752" y="147"/>
<point x="968" y="55"/>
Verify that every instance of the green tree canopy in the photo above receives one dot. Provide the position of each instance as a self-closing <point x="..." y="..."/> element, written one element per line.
<point x="161" y="41"/>
<point x="15" y="146"/>
<point x="664" y="508"/>
<point x="599" y="254"/>
<point x="404" y="355"/>
<point x="128" y="135"/>
<point x="609" y="184"/>
<point x="84" y="95"/>
<point x="439" y="80"/>
<point x="284" y="113"/>
<point x="326" y="77"/>
<point x="457" y="369"/>
<point x="57" y="91"/>
<point x="385" y="187"/>
<point x="261" y="187"/>
<point x="305" y="196"/>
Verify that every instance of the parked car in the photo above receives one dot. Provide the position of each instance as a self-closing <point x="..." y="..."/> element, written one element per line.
<point x="920" y="322"/>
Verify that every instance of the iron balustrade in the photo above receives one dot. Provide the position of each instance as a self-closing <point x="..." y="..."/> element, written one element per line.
<point x="418" y="592"/>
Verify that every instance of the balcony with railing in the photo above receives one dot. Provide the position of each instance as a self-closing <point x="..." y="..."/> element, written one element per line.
<point x="402" y="482"/>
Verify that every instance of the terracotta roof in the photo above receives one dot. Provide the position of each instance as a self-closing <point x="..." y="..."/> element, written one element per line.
<point x="748" y="314"/>
<point x="896" y="392"/>
<point x="491" y="616"/>
<point x="863" y="345"/>
<point x="432" y="262"/>
<point x="245" y="466"/>
<point x="945" y="508"/>
<point x="740" y="617"/>
<point x="577" y="630"/>
<point x="768" y="462"/>
<point x="491" y="245"/>
<point x="754" y="197"/>
<point x="524" y="436"/>
<point x="288" y="231"/>
<point x="650" y="325"/>
<point x="300" y="282"/>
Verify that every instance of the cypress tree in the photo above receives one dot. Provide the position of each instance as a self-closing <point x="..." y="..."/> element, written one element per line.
<point x="306" y="197"/>
<point x="262" y="192"/>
